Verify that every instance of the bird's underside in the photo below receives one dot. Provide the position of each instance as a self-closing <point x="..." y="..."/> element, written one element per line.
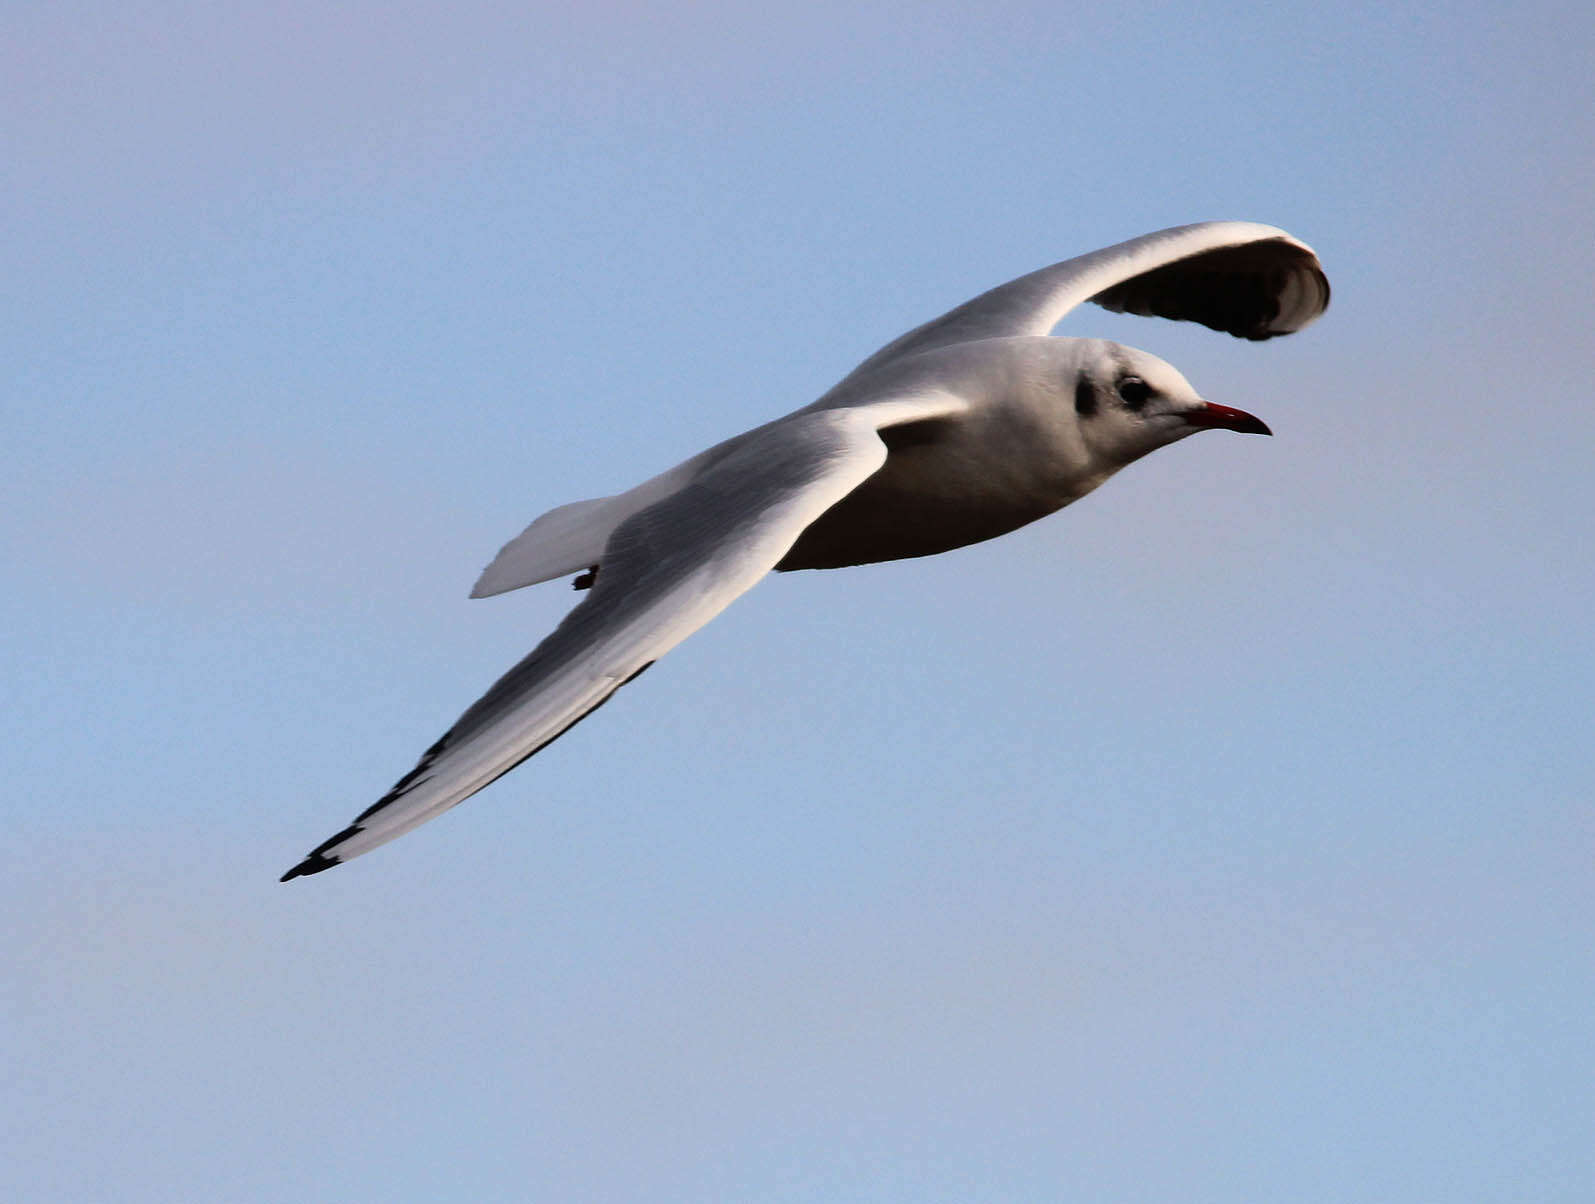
<point x="909" y="508"/>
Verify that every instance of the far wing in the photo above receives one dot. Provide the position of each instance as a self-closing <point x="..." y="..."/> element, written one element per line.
<point x="1248" y="280"/>
<point x="665" y="572"/>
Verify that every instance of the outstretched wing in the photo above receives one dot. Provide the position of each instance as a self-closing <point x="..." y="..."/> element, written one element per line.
<point x="1248" y="280"/>
<point x="665" y="572"/>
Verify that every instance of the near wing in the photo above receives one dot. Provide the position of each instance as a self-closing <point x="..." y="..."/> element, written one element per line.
<point x="1245" y="279"/>
<point x="665" y="572"/>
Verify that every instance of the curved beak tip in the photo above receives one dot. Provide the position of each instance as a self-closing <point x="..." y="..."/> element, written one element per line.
<point x="1228" y="417"/>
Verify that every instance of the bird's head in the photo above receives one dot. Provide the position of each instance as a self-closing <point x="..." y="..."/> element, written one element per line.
<point x="1128" y="403"/>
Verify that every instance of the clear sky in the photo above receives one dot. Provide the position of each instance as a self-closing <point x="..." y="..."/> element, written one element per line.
<point x="1225" y="837"/>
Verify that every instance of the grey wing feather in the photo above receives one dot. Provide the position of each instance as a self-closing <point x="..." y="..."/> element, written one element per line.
<point x="666" y="571"/>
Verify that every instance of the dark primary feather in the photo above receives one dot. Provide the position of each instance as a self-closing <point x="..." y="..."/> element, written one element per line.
<point x="1254" y="291"/>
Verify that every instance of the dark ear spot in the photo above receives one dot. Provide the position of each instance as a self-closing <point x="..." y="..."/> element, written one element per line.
<point x="1085" y="396"/>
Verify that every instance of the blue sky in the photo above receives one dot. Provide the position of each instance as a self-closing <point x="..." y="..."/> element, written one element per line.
<point x="1224" y="837"/>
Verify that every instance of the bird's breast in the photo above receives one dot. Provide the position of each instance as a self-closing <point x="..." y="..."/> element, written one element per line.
<point x="935" y="492"/>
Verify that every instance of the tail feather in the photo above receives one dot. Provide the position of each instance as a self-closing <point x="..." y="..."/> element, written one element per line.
<point x="565" y="540"/>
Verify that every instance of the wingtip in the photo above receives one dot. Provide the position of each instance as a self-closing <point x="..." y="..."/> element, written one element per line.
<point x="312" y="864"/>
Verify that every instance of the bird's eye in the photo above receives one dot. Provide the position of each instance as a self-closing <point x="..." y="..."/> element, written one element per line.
<point x="1134" y="391"/>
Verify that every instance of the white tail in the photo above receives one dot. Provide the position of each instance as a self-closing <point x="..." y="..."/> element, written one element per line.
<point x="565" y="540"/>
<point x="571" y="537"/>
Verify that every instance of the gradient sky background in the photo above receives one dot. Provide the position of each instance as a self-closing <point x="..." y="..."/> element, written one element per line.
<point x="1226" y="837"/>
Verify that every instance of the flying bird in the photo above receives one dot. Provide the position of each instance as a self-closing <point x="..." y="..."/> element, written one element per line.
<point x="963" y="429"/>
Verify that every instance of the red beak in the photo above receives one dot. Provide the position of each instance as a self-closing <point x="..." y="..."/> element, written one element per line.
<point x="1231" y="419"/>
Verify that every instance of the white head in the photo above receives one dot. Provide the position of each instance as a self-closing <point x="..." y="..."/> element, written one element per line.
<point x="1128" y="403"/>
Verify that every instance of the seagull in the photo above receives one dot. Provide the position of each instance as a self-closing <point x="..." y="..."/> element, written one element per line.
<point x="963" y="429"/>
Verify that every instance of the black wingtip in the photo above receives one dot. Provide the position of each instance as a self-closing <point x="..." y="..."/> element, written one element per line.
<point x="319" y="858"/>
<point x="312" y="864"/>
